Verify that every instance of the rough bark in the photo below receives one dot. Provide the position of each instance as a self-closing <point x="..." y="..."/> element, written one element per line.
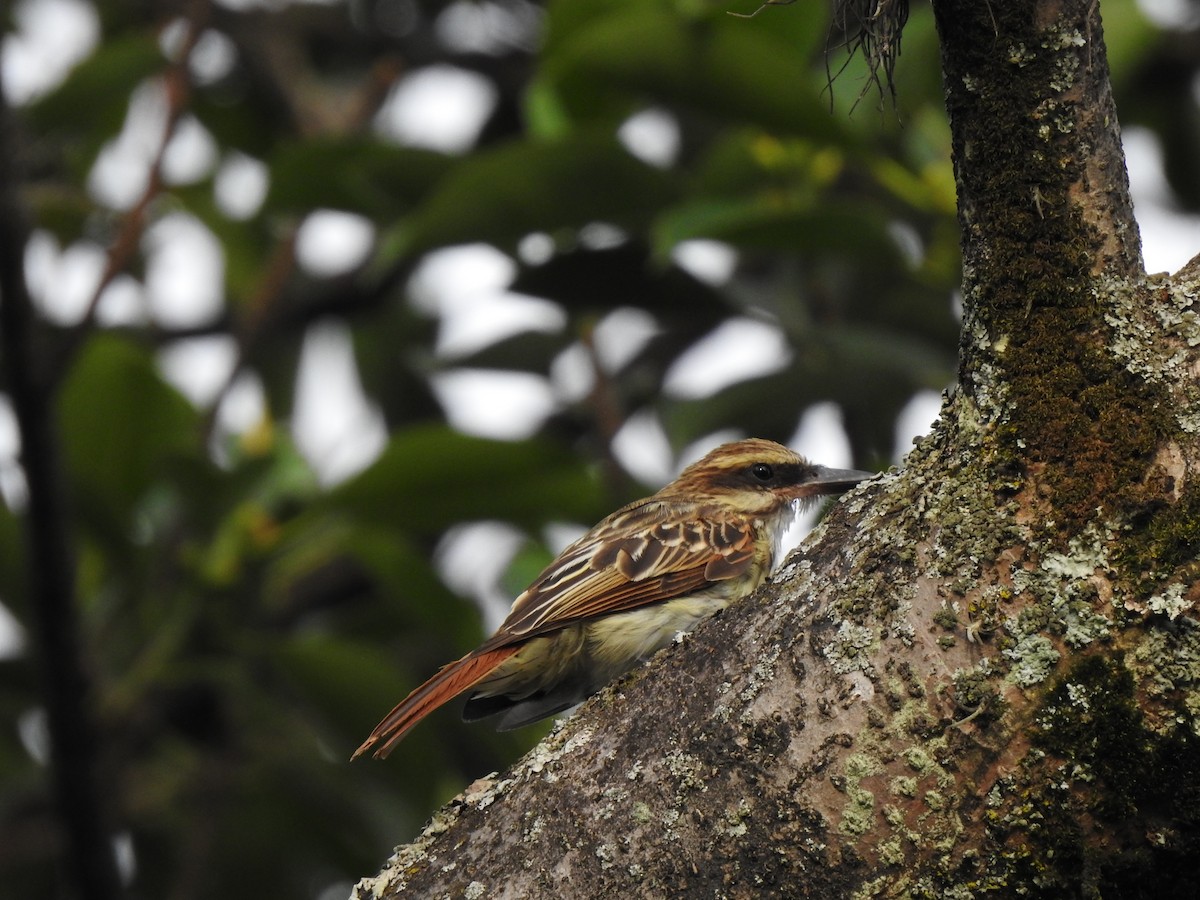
<point x="982" y="675"/>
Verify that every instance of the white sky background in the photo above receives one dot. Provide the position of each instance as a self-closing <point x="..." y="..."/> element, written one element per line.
<point x="334" y="423"/>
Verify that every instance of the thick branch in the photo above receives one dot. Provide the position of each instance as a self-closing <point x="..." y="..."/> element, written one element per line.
<point x="1049" y="240"/>
<point x="1037" y="149"/>
<point x="1042" y="187"/>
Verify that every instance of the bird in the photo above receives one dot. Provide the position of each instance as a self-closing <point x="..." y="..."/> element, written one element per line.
<point x="646" y="573"/>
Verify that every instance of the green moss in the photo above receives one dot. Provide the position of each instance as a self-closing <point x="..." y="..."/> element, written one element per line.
<point x="1093" y="760"/>
<point x="1060" y="408"/>
<point x="1163" y="538"/>
<point x="1091" y="719"/>
<point x="1085" y="418"/>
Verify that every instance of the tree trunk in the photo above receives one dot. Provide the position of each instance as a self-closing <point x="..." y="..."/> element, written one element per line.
<point x="982" y="674"/>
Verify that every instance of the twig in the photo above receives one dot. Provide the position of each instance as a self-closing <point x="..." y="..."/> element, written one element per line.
<point x="263" y="307"/>
<point x="124" y="246"/>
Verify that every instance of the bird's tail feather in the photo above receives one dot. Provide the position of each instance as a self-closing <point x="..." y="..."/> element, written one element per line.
<point x="448" y="683"/>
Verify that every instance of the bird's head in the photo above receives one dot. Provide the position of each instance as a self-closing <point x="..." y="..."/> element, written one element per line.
<point x="760" y="476"/>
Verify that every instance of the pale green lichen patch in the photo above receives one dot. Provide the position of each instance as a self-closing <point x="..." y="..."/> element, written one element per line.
<point x="762" y="675"/>
<point x="858" y="815"/>
<point x="860" y="765"/>
<point x="904" y="786"/>
<point x="1034" y="658"/>
<point x="615" y="799"/>
<point x="1159" y="340"/>
<point x="560" y="743"/>
<point x="1171" y="602"/>
<point x="642" y="813"/>
<point x="1166" y="663"/>
<point x="533" y="833"/>
<point x="688" y="771"/>
<point x="851" y="648"/>
<point x="891" y="852"/>
<point x="918" y="760"/>
<point x="925" y="818"/>
<point x="735" y="819"/>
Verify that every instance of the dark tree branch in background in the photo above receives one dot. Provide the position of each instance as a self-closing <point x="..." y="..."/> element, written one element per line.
<point x="133" y="226"/>
<point x="49" y="554"/>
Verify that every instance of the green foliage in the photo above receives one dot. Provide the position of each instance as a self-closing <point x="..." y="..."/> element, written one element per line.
<point x="120" y="426"/>
<point x="246" y="624"/>
<point x="501" y="195"/>
<point x="90" y="105"/>
<point x="430" y="478"/>
<point x="363" y="174"/>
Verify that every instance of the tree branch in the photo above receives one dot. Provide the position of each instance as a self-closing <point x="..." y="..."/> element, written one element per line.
<point x="973" y="678"/>
<point x="49" y="554"/>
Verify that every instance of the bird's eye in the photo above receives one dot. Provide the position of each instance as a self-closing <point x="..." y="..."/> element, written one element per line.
<point x="762" y="472"/>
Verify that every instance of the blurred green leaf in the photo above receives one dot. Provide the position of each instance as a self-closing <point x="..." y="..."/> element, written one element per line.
<point x="1128" y="35"/>
<point x="89" y="106"/>
<point x="747" y="160"/>
<point x="359" y="174"/>
<point x="121" y="423"/>
<point x="727" y="68"/>
<point x="499" y="196"/>
<point x="773" y="221"/>
<point x="526" y="566"/>
<point x="351" y="681"/>
<point x="529" y="351"/>
<point x="592" y="282"/>
<point x="870" y="374"/>
<point x="411" y="591"/>
<point x="430" y="478"/>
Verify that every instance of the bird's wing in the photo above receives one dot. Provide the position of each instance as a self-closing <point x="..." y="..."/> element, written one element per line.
<point x="645" y="553"/>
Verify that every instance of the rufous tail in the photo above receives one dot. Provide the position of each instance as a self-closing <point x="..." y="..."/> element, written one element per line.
<point x="450" y="681"/>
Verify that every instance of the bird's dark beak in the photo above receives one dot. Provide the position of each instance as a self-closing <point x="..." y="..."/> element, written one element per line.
<point x="832" y="481"/>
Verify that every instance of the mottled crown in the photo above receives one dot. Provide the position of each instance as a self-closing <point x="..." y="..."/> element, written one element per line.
<point x="759" y="474"/>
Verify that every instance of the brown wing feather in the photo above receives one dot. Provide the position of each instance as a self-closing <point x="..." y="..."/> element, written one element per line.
<point x="675" y="552"/>
<point x="450" y="681"/>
